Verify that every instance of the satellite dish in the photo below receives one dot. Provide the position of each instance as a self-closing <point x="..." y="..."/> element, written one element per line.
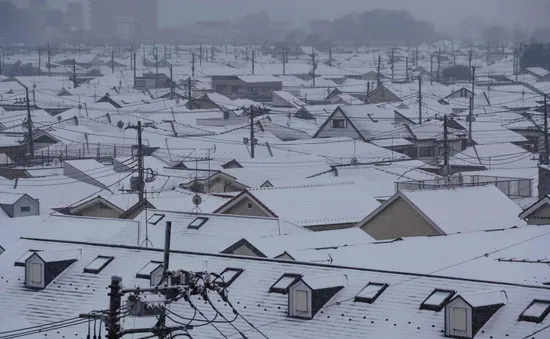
<point x="197" y="200"/>
<point x="120" y="124"/>
<point x="59" y="118"/>
<point x="79" y="106"/>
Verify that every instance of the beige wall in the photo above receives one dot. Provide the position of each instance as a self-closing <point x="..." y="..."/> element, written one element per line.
<point x="241" y="208"/>
<point x="398" y="220"/>
<point x="244" y="250"/>
<point x="97" y="211"/>
<point x="540" y="216"/>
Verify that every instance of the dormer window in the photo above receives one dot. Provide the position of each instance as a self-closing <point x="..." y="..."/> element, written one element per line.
<point x="536" y="311"/>
<point x="98" y="264"/>
<point x="197" y="223"/>
<point x="42" y="268"/>
<point x="284" y="282"/>
<point x="308" y="295"/>
<point x="370" y="292"/>
<point x="437" y="300"/>
<point x="228" y="276"/>
<point x="155" y="218"/>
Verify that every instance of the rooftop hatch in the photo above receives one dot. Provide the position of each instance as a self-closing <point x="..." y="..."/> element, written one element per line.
<point x="145" y="272"/>
<point x="155" y="218"/>
<point x="437" y="300"/>
<point x="228" y="276"/>
<point x="197" y="223"/>
<point x="536" y="311"/>
<point x="283" y="283"/>
<point x="98" y="264"/>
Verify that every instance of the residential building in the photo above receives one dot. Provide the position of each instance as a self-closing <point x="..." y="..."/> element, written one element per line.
<point x="253" y="87"/>
<point x="15" y="205"/>
<point x="434" y="212"/>
<point x="152" y="80"/>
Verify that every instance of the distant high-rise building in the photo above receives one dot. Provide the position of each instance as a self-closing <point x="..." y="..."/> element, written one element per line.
<point x="39" y="4"/>
<point x="75" y="15"/>
<point x="134" y="20"/>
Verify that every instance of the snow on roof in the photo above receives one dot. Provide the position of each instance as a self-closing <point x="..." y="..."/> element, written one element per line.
<point x="273" y="246"/>
<point x="486" y="298"/>
<point x="480" y="208"/>
<point x="258" y="78"/>
<point x="325" y="281"/>
<point x="494" y="156"/>
<point x="399" y="303"/>
<point x="319" y="203"/>
<point x="539" y="71"/>
<point x="10" y="198"/>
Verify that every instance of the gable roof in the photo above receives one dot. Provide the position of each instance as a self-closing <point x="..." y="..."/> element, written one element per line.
<point x="526" y="213"/>
<point x="480" y="208"/>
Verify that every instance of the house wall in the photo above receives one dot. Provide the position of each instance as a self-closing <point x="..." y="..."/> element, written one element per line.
<point x="244" y="250"/>
<point x="99" y="210"/>
<point x="540" y="216"/>
<point x="241" y="208"/>
<point x="398" y="220"/>
<point x="329" y="131"/>
<point x="26" y="201"/>
<point x="449" y="310"/>
<point x="299" y="286"/>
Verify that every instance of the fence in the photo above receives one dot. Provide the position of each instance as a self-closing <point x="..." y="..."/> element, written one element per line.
<point x="512" y="187"/>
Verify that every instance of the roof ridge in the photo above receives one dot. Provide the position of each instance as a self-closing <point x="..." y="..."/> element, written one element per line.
<point x="327" y="184"/>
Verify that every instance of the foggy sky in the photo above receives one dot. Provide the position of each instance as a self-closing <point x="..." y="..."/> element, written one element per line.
<point x="526" y="13"/>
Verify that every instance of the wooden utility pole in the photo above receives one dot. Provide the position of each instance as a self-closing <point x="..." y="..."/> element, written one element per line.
<point x="253" y="60"/>
<point x="416" y="57"/>
<point x="171" y="84"/>
<point x="546" y="143"/>
<point x="470" y="119"/>
<point x="392" y="63"/>
<point x="407" y="69"/>
<point x="113" y="60"/>
<point x="200" y="55"/>
<point x="313" y="64"/>
<point x="252" y="141"/>
<point x="49" y="61"/>
<point x="378" y="81"/>
<point x="29" y="125"/>
<point x="193" y="64"/>
<point x="420" y="100"/>
<point x="75" y="85"/>
<point x="135" y="56"/>
<point x="439" y="65"/>
<point x="470" y="60"/>
<point x="431" y="69"/>
<point x="445" y="147"/>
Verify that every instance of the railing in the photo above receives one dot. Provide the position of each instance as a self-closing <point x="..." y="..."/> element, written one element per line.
<point x="512" y="187"/>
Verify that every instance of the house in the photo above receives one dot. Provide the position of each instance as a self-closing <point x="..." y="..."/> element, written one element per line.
<point x="380" y="95"/>
<point x="16" y="205"/>
<point x="324" y="205"/>
<point x="313" y="300"/>
<point x="434" y="212"/>
<point x="286" y="100"/>
<point x="537" y="213"/>
<point x="492" y="156"/>
<point x="253" y="87"/>
<point x="152" y="80"/>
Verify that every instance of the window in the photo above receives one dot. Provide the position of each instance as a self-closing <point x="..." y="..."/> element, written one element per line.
<point x="229" y="275"/>
<point x="25" y="209"/>
<point x="424" y="152"/>
<point x="437" y="300"/>
<point x="284" y="282"/>
<point x="459" y="319"/>
<point x="249" y="205"/>
<point x="21" y="260"/>
<point x="339" y="123"/>
<point x="145" y="272"/>
<point x="155" y="218"/>
<point x="536" y="311"/>
<point x="300" y="301"/>
<point x="98" y="264"/>
<point x="197" y="223"/>
<point x="370" y="293"/>
<point x="36" y="273"/>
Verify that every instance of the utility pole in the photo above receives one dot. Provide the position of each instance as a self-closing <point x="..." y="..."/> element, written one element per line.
<point x="378" y="82"/>
<point x="420" y="100"/>
<point x="115" y="297"/>
<point x="200" y="55"/>
<point x="75" y="85"/>
<point x="39" y="60"/>
<point x="313" y="63"/>
<point x="488" y="52"/>
<point x="546" y="144"/>
<point x="171" y="84"/>
<point x="235" y="49"/>
<point x="131" y="57"/>
<point x="157" y="69"/>
<point x="330" y="56"/>
<point x="473" y="84"/>
<point x="165" y="265"/>
<point x="392" y="63"/>
<point x="1" y="57"/>
<point x="284" y="60"/>
<point x="407" y="69"/>
<point x="189" y="97"/>
<point x="253" y="60"/>
<point x="416" y="57"/>
<point x="431" y="69"/>
<point x="470" y="119"/>
<point x="252" y="142"/>
<point x="445" y="147"/>
<point x="193" y="64"/>
<point x="49" y="61"/>
<point x="135" y="55"/>
<point x="438" y="65"/>
<point x="141" y="185"/>
<point x="165" y="53"/>
<point x="470" y="59"/>
<point x="29" y="125"/>
<point x="113" y="60"/>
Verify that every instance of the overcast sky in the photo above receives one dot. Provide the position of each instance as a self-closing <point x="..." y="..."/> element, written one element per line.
<point x="441" y="12"/>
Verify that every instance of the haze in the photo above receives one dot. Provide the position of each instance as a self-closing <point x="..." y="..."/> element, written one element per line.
<point x="443" y="13"/>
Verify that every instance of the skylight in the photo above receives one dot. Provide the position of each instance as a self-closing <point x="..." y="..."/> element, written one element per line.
<point x="155" y="218"/>
<point x="370" y="293"/>
<point x="98" y="264"/>
<point x="197" y="223"/>
<point x="536" y="311"/>
<point x="229" y="275"/>
<point x="283" y="283"/>
<point x="145" y="272"/>
<point x="437" y="300"/>
<point x="21" y="260"/>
